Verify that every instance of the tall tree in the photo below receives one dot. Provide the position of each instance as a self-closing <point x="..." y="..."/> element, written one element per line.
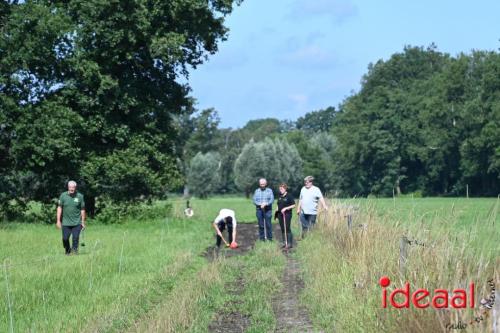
<point x="317" y="121"/>
<point x="203" y="176"/>
<point x="91" y="89"/>
<point x="276" y="160"/>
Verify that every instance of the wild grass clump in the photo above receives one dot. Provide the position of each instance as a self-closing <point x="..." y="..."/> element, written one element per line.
<point x="342" y="269"/>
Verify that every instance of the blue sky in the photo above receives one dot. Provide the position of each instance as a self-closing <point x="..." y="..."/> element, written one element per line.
<point x="284" y="58"/>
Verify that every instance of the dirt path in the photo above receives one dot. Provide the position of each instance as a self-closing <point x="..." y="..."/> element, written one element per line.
<point x="228" y="320"/>
<point x="290" y="316"/>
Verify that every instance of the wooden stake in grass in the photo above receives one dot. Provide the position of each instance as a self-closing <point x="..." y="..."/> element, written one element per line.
<point x="403" y="254"/>
<point x="11" y="318"/>
<point x="121" y="254"/>
<point x="495" y="328"/>
<point x="349" y="221"/>
<point x="393" y="198"/>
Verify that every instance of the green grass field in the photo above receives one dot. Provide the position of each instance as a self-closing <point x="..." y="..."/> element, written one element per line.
<point x="149" y="276"/>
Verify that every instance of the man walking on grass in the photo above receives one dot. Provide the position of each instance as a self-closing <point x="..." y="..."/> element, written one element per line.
<point x="263" y="199"/>
<point x="71" y="217"/>
<point x="307" y="207"/>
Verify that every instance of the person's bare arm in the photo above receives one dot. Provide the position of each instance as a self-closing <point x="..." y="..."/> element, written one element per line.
<point x="298" y="207"/>
<point x="234" y="234"/>
<point x="59" y="214"/>
<point x="323" y="203"/>
<point x="287" y="208"/>
<point x="217" y="229"/>
<point x="84" y="216"/>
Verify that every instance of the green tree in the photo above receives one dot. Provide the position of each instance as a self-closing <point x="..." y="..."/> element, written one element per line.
<point x="318" y="155"/>
<point x="90" y="90"/>
<point x="276" y="160"/>
<point x="317" y="121"/>
<point x="204" y="132"/>
<point x="203" y="176"/>
<point x="480" y="118"/>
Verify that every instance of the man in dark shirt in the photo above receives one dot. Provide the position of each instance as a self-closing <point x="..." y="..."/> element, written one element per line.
<point x="71" y="211"/>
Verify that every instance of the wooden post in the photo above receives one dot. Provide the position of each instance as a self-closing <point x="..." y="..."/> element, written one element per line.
<point x="467" y="187"/>
<point x="403" y="254"/>
<point x="393" y="198"/>
<point x="349" y="222"/>
<point x="495" y="318"/>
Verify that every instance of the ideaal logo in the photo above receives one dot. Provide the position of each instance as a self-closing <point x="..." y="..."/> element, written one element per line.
<point x="423" y="298"/>
<point x="439" y="299"/>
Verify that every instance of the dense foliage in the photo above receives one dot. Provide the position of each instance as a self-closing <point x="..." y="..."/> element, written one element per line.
<point x="276" y="160"/>
<point x="423" y="122"/>
<point x="89" y="90"/>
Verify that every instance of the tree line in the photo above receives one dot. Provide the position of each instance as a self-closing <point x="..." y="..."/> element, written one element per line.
<point x="423" y="122"/>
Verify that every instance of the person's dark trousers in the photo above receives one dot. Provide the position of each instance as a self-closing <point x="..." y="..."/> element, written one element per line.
<point x="287" y="222"/>
<point x="264" y="217"/>
<point x="221" y="226"/>
<point x="75" y="232"/>
<point x="307" y="221"/>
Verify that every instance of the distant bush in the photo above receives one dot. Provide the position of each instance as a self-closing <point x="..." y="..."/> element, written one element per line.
<point x="31" y="212"/>
<point x="109" y="212"/>
<point x="41" y="213"/>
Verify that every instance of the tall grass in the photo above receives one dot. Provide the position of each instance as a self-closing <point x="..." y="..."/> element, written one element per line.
<point x="342" y="269"/>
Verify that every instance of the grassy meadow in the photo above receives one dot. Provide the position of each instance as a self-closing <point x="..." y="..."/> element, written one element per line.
<point x="150" y="275"/>
<point x="135" y="276"/>
<point x="455" y="242"/>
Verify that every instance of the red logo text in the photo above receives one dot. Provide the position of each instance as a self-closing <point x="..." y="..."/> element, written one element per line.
<point x="423" y="298"/>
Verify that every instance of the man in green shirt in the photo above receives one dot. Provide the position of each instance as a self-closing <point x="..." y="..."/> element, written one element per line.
<point x="71" y="208"/>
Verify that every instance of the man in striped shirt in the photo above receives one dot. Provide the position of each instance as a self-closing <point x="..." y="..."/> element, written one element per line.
<point x="263" y="199"/>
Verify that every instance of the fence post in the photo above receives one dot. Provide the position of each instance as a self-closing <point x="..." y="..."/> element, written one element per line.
<point x="496" y="313"/>
<point x="403" y="254"/>
<point x="349" y="222"/>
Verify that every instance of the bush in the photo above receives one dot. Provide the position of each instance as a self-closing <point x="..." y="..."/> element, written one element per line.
<point x="31" y="212"/>
<point x="41" y="213"/>
<point x="109" y="212"/>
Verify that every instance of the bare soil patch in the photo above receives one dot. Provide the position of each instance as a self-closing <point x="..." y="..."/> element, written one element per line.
<point x="290" y="315"/>
<point x="248" y="234"/>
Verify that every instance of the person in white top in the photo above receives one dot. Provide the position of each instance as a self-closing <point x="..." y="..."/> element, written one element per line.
<point x="226" y="218"/>
<point x="307" y="208"/>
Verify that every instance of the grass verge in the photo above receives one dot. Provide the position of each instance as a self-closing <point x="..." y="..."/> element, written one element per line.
<point x="342" y="271"/>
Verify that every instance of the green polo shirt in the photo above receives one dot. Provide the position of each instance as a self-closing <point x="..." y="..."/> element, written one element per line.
<point x="71" y="205"/>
